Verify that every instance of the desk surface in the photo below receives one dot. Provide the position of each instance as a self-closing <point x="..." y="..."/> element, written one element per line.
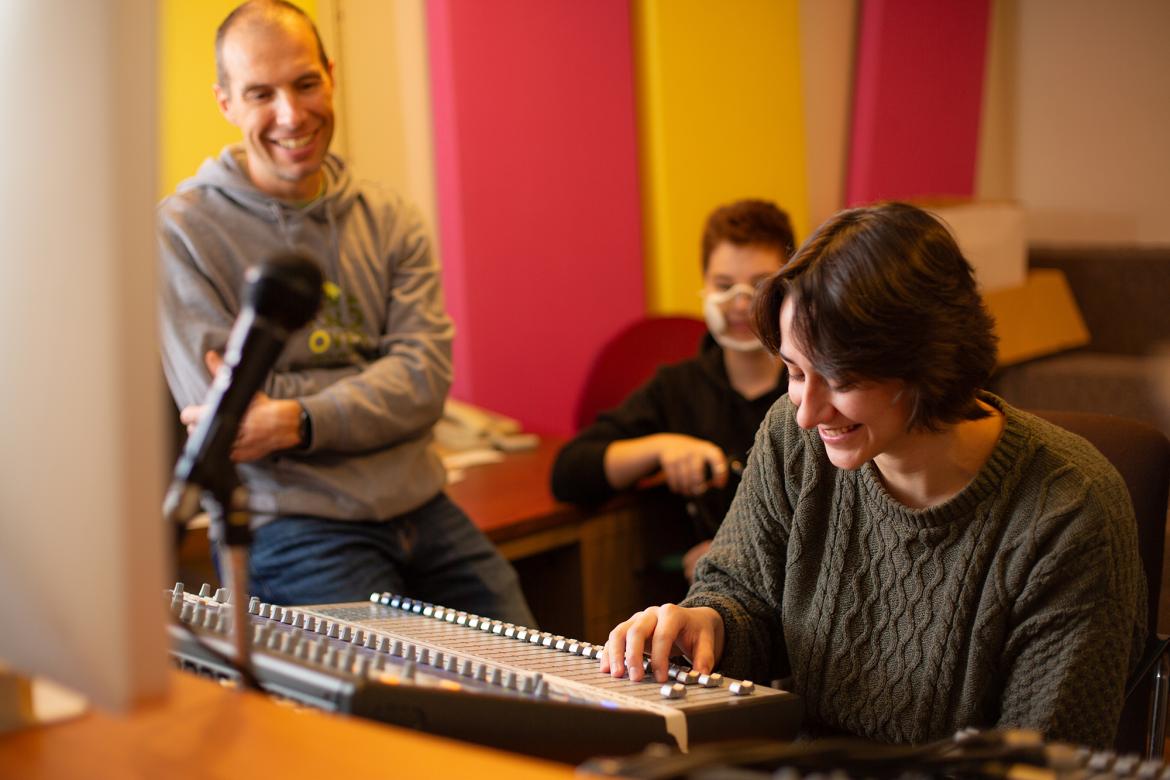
<point x="512" y="498"/>
<point x="204" y="730"/>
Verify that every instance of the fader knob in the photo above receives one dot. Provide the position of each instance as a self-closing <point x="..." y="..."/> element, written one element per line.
<point x="673" y="691"/>
<point x="742" y="687"/>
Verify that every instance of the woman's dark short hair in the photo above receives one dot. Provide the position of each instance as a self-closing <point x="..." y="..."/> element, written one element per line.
<point x="883" y="292"/>
<point x="748" y="222"/>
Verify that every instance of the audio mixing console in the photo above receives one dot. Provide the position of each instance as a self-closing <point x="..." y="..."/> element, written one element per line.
<point x="411" y="663"/>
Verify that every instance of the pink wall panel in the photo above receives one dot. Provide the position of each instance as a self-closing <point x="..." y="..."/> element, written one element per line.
<point x="917" y="99"/>
<point x="539" y="210"/>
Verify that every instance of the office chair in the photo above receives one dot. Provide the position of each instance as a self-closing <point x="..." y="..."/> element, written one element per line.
<point x="1141" y="454"/>
<point x="629" y="359"/>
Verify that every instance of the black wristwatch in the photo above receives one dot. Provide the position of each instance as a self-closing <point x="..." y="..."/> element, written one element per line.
<point x="304" y="430"/>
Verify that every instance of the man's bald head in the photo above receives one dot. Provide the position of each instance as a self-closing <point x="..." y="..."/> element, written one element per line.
<point x="262" y="12"/>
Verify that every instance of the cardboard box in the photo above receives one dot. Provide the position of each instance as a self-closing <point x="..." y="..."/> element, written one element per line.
<point x="991" y="236"/>
<point x="1036" y="318"/>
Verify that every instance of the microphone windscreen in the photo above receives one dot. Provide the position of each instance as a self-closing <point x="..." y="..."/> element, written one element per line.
<point x="285" y="289"/>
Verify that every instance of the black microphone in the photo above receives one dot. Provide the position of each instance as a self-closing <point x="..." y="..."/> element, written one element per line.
<point x="280" y="296"/>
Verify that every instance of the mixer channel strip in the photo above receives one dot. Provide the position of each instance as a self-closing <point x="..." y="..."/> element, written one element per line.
<point x="413" y="663"/>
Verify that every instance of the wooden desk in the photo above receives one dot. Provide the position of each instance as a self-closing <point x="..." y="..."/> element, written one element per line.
<point x="583" y="571"/>
<point x="202" y="730"/>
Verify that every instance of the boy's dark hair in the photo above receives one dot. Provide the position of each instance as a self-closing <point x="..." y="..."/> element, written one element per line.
<point x="883" y="292"/>
<point x="748" y="223"/>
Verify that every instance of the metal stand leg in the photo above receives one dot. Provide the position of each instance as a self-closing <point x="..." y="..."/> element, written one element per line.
<point x="1156" y="735"/>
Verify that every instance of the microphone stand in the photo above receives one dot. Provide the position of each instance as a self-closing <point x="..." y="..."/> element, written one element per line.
<point x="230" y="524"/>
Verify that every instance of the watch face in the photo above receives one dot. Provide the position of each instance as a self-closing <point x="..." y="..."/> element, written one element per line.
<point x="303" y="429"/>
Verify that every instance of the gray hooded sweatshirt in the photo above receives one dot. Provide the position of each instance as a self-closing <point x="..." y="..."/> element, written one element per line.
<point x="372" y="369"/>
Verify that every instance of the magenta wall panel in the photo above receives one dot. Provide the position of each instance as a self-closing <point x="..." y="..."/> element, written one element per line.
<point x="537" y="181"/>
<point x="917" y="98"/>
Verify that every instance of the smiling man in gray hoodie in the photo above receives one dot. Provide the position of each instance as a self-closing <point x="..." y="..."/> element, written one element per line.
<point x="336" y="450"/>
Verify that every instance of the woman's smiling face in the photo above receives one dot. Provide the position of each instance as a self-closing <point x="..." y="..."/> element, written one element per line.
<point x="856" y="422"/>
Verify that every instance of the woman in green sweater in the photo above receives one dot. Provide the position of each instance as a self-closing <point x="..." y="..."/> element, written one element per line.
<point x="917" y="555"/>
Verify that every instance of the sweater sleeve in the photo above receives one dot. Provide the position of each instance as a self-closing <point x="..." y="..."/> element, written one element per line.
<point x="400" y="395"/>
<point x="194" y="317"/>
<point x="742" y="575"/>
<point x="1078" y="626"/>
<point x="578" y="474"/>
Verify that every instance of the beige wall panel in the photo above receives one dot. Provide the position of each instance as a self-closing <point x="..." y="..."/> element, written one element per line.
<point x="382" y="66"/>
<point x="1093" y="120"/>
<point x="995" y="171"/>
<point x="827" y="35"/>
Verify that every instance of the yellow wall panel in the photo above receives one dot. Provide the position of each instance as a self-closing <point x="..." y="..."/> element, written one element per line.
<point x="190" y="126"/>
<point x="720" y="118"/>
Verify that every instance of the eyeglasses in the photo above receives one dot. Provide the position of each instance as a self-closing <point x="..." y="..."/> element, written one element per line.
<point x="721" y="297"/>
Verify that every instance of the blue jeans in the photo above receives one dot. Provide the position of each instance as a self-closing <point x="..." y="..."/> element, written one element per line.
<point x="433" y="553"/>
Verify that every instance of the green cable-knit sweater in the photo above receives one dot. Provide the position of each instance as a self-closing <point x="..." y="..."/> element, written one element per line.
<point x="1020" y="601"/>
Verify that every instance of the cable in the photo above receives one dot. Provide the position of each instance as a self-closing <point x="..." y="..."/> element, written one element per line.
<point x="990" y="754"/>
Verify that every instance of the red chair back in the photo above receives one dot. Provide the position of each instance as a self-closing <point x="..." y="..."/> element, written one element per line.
<point x="630" y="358"/>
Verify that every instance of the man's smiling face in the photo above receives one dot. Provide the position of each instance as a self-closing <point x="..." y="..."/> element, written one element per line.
<point x="280" y="95"/>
